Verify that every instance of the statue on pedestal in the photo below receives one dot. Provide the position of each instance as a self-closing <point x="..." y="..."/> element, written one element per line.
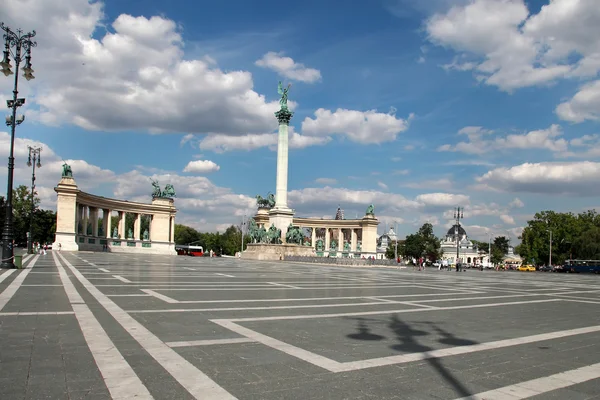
<point x="130" y="234"/>
<point x="274" y="235"/>
<point x="265" y="202"/>
<point x="67" y="171"/>
<point x="115" y="234"/>
<point x="146" y="235"/>
<point x="284" y="95"/>
<point x="371" y="210"/>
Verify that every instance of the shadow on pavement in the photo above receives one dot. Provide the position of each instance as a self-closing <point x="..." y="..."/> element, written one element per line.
<point x="407" y="338"/>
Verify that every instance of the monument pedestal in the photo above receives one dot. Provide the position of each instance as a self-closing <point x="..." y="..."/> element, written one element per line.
<point x="66" y="206"/>
<point x="282" y="218"/>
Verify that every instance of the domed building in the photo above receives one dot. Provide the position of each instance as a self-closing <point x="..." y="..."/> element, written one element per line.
<point x="467" y="251"/>
<point x="385" y="240"/>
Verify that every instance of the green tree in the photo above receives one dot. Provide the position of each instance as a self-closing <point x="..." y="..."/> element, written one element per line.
<point x="587" y="246"/>
<point x="185" y="234"/>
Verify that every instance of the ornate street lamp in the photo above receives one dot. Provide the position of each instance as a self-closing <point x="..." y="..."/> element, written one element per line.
<point x="18" y="45"/>
<point x="458" y="215"/>
<point x="35" y="159"/>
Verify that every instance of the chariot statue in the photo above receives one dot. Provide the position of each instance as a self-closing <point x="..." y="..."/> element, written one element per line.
<point x="169" y="191"/>
<point x="266" y="202"/>
<point x="156" y="189"/>
<point x="294" y="235"/>
<point x="67" y="171"/>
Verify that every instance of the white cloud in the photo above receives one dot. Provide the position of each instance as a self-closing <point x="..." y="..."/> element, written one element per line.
<point x="585" y="105"/>
<point x="507" y="219"/>
<point x="134" y="76"/>
<point x="510" y="48"/>
<point x="442" y="200"/>
<point x="568" y="178"/>
<point x="326" y="181"/>
<point x="225" y="143"/>
<point x="288" y="68"/>
<point x="201" y="167"/>
<point x="516" y="203"/>
<point x="547" y="139"/>
<point x="433" y="184"/>
<point x="382" y="185"/>
<point x="400" y="172"/>
<point x="358" y="126"/>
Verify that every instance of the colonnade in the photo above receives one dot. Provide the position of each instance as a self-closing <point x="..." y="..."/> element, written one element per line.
<point x="79" y="226"/>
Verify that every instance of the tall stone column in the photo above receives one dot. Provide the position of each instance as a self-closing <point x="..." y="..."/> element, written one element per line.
<point x="327" y="244"/>
<point x="340" y="239"/>
<point x="313" y="239"/>
<point x="281" y="215"/>
<point x="353" y="240"/>
<point x="122" y="224"/>
<point x="67" y="215"/>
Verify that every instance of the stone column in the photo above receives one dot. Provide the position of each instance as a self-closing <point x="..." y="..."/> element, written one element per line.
<point x="121" y="228"/>
<point x="327" y="244"/>
<point x="80" y="219"/>
<point x="107" y="222"/>
<point x="283" y="116"/>
<point x="172" y="230"/>
<point x="313" y="239"/>
<point x="77" y="218"/>
<point x="94" y="217"/>
<point x="340" y="239"/>
<point x="353" y="240"/>
<point x="136" y="226"/>
<point x="86" y="210"/>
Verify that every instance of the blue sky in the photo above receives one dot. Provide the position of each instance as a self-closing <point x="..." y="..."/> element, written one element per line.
<point x="488" y="104"/>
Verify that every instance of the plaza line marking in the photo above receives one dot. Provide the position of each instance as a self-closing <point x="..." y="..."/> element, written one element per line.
<point x="119" y="277"/>
<point x="6" y="274"/>
<point x="378" y="303"/>
<point x="159" y="296"/>
<point x="209" y="342"/>
<point x="335" y="366"/>
<point x="103" y="270"/>
<point x="10" y="291"/>
<point x="129" y="295"/>
<point x="283" y="285"/>
<point x="191" y="378"/>
<point x="229" y="276"/>
<point x="190" y="269"/>
<point x="534" y="387"/>
<point x="34" y="313"/>
<point x="120" y="379"/>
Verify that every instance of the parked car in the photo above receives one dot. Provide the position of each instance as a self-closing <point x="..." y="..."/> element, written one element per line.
<point x="526" y="268"/>
<point x="545" y="268"/>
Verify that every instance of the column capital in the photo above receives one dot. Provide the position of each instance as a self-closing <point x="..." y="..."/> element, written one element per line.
<point x="284" y="116"/>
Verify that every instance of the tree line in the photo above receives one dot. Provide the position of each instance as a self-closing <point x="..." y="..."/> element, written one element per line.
<point x="227" y="243"/>
<point x="574" y="236"/>
<point x="44" y="221"/>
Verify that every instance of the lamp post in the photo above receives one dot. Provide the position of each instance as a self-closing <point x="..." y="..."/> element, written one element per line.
<point x="550" y="255"/>
<point x="18" y="45"/>
<point x="458" y="215"/>
<point x="34" y="160"/>
<point x="242" y="229"/>
<point x="396" y="245"/>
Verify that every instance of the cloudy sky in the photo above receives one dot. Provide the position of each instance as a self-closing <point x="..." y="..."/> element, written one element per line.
<point x="415" y="106"/>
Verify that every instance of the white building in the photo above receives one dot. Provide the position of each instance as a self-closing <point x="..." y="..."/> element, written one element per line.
<point x="384" y="241"/>
<point x="467" y="251"/>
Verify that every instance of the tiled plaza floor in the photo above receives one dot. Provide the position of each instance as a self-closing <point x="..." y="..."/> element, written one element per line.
<point x="101" y="325"/>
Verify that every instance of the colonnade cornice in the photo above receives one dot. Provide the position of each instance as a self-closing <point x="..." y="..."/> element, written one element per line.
<point x="101" y="202"/>
<point x="334" y="223"/>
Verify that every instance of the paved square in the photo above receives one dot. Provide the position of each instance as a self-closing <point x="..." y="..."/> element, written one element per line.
<point x="101" y="326"/>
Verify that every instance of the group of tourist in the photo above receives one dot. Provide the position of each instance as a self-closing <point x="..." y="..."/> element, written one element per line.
<point x="40" y="248"/>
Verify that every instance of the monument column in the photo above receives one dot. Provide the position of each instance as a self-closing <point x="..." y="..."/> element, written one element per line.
<point x="281" y="215"/>
<point x="137" y="226"/>
<point x="121" y="225"/>
<point x="327" y="240"/>
<point x="67" y="212"/>
<point x="107" y="222"/>
<point x="353" y="240"/>
<point x="94" y="217"/>
<point x="86" y="210"/>
<point x="313" y="239"/>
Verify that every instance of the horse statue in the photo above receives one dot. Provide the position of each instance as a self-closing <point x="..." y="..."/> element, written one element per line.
<point x="67" y="171"/>
<point x="294" y="235"/>
<point x="370" y="210"/>
<point x="274" y="235"/>
<point x="169" y="191"/>
<point x="252" y="229"/>
<point x="265" y="202"/>
<point x="261" y="235"/>
<point x="156" y="189"/>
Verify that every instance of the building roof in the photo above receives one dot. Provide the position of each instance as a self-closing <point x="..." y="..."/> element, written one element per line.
<point x="452" y="231"/>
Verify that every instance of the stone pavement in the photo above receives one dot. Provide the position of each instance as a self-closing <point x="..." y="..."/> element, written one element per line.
<point x="102" y="325"/>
